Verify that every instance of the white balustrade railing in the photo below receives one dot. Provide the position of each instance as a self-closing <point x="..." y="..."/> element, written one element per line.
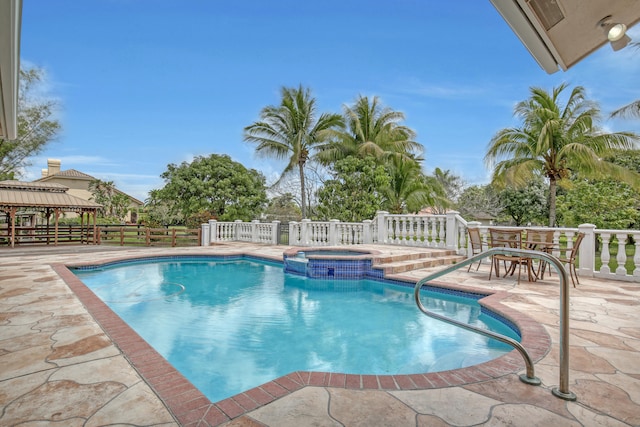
<point x="447" y="231"/>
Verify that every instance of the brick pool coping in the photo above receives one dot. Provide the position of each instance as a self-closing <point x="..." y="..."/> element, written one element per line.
<point x="190" y="407"/>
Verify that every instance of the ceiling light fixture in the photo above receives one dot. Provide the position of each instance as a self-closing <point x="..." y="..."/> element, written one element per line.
<point x="616" y="33"/>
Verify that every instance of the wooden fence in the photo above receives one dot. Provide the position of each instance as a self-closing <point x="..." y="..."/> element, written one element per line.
<point x="129" y="235"/>
<point x="133" y="235"/>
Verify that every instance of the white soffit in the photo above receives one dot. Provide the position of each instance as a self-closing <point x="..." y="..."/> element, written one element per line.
<point x="10" y="21"/>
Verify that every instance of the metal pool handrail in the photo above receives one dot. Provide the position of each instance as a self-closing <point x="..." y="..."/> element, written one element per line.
<point x="562" y="391"/>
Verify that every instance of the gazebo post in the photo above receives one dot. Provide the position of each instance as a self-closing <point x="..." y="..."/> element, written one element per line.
<point x="56" y="213"/>
<point x="47" y="214"/>
<point x="82" y="227"/>
<point x="95" y="226"/>
<point x="12" y="214"/>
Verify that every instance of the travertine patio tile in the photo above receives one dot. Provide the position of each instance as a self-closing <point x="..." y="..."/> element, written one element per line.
<point x="21" y="318"/>
<point x="312" y="403"/>
<point x="608" y="399"/>
<point x="591" y="418"/>
<point x="23" y="341"/>
<point x="23" y="362"/>
<point x="454" y="405"/>
<point x="527" y="415"/>
<point x="629" y="384"/>
<point x="115" y="368"/>
<point x="137" y="405"/>
<point x="13" y="388"/>
<point x="60" y="400"/>
<point x="596" y="338"/>
<point x="626" y="361"/>
<point x="347" y="407"/>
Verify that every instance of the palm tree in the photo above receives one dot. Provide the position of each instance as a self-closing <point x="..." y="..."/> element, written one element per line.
<point x="633" y="109"/>
<point x="451" y="187"/>
<point x="409" y="190"/>
<point x="371" y="130"/>
<point x="555" y="141"/>
<point x="291" y="130"/>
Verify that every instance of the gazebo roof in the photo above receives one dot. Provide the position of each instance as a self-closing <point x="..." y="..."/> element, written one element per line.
<point x="41" y="195"/>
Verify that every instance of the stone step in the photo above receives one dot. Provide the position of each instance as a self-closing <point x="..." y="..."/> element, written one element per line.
<point x="417" y="255"/>
<point x="405" y="265"/>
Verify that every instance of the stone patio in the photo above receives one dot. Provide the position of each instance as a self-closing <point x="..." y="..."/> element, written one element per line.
<point x="66" y="359"/>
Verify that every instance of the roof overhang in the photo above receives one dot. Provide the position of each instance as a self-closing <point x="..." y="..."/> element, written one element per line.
<point x="560" y="33"/>
<point x="10" y="22"/>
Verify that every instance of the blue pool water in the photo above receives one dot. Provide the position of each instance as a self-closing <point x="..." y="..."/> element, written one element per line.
<point x="231" y="325"/>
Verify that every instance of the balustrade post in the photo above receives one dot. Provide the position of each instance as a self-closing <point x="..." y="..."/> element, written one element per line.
<point x="381" y="218"/>
<point x="587" y="250"/>
<point x="367" y="235"/>
<point x="254" y="231"/>
<point x="305" y="228"/>
<point x="213" y="231"/>
<point x="237" y="228"/>
<point x="333" y="232"/>
<point x="451" y="231"/>
<point x="294" y="235"/>
<point x="275" y="229"/>
<point x="204" y="234"/>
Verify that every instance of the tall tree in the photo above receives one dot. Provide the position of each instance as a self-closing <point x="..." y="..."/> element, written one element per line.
<point x="215" y="185"/>
<point x="356" y="191"/>
<point x="36" y="125"/>
<point x="451" y="186"/>
<point x="291" y="131"/>
<point x="554" y="140"/>
<point x="409" y="189"/>
<point x="371" y="130"/>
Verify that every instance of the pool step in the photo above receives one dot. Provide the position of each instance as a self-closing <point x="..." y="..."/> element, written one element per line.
<point x="400" y="263"/>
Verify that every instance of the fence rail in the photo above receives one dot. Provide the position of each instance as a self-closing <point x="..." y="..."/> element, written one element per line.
<point x="43" y="235"/>
<point x="137" y="236"/>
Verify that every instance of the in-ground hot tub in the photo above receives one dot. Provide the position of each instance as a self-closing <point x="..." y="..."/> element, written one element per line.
<point x="331" y="263"/>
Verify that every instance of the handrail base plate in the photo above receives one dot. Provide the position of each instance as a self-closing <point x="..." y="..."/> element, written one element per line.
<point x="566" y="396"/>
<point x="530" y="380"/>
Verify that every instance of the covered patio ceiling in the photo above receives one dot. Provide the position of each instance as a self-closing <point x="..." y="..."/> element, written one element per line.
<point x="560" y="33"/>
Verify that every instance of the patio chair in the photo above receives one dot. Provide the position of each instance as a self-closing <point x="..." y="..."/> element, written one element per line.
<point x="475" y="242"/>
<point x="540" y="240"/>
<point x="507" y="238"/>
<point x="570" y="258"/>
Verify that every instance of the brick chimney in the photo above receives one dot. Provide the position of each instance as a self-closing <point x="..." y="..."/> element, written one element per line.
<point x="53" y="166"/>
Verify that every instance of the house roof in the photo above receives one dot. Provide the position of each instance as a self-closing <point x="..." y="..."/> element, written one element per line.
<point x="76" y="174"/>
<point x="38" y="195"/>
<point x="69" y="173"/>
<point x="560" y="33"/>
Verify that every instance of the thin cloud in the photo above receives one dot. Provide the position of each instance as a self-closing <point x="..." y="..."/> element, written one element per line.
<point x="416" y="87"/>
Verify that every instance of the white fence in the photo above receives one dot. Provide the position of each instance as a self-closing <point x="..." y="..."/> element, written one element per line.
<point x="434" y="231"/>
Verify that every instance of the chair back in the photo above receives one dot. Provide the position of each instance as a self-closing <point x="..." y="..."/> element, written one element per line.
<point x="475" y="239"/>
<point x="542" y="237"/>
<point x="576" y="246"/>
<point x="505" y="238"/>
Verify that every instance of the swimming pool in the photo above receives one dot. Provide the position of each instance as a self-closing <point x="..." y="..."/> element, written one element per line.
<point x="230" y="325"/>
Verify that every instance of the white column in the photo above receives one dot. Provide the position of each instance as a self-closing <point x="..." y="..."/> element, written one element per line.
<point x="381" y="217"/>
<point x="587" y="250"/>
<point x="305" y="227"/>
<point x="204" y="235"/>
<point x="275" y="228"/>
<point x="333" y="232"/>
<point x="213" y="231"/>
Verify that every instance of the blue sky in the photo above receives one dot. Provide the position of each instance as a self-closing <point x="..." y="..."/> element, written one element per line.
<point x="145" y="83"/>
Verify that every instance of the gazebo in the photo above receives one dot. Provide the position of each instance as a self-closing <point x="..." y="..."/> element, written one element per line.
<point x="17" y="196"/>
